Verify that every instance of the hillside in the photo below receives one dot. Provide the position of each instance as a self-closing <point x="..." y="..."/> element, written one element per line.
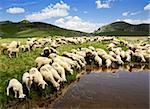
<point x="124" y="29"/>
<point x="33" y="29"/>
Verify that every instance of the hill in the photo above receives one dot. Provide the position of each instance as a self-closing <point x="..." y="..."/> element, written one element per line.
<point x="25" y="28"/>
<point x="124" y="29"/>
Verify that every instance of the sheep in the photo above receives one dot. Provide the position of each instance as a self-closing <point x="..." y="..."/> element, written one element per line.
<point x="64" y="64"/>
<point x="49" y="76"/>
<point x="24" y="48"/>
<point x="111" y="45"/>
<point x="3" y="47"/>
<point x="60" y="70"/>
<point x="13" y="50"/>
<point x="37" y="77"/>
<point x="119" y="61"/>
<point x="97" y="59"/>
<point x="27" y="79"/>
<point x="17" y="87"/>
<point x="74" y="58"/>
<point x="108" y="63"/>
<point x="14" y="44"/>
<point x="54" y="72"/>
<point x="42" y="61"/>
<point x="70" y="61"/>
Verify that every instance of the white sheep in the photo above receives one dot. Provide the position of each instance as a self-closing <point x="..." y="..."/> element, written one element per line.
<point x="108" y="63"/>
<point x="27" y="79"/>
<point x="37" y="77"/>
<point x="54" y="72"/>
<point x="119" y="61"/>
<point x="60" y="70"/>
<point x="17" y="87"/>
<point x="13" y="50"/>
<point x="49" y="76"/>
<point x="42" y="61"/>
<point x="97" y="59"/>
<point x="64" y="64"/>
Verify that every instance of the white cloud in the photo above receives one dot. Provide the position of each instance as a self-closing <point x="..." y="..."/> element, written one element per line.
<point x="101" y="4"/>
<point x="85" y="12"/>
<point x="57" y="10"/>
<point x="135" y="21"/>
<point x="15" y="10"/>
<point x="135" y="13"/>
<point x="125" y="13"/>
<point x="76" y="23"/>
<point x="147" y="7"/>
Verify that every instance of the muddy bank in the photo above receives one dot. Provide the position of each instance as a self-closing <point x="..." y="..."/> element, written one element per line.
<point x="96" y="87"/>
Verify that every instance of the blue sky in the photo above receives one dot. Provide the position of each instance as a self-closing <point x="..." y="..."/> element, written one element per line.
<point x="83" y="15"/>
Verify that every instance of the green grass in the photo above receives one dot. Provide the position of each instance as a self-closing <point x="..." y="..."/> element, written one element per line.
<point x="35" y="29"/>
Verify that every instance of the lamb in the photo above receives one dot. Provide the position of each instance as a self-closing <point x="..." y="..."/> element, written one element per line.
<point x="42" y="61"/>
<point x="27" y="79"/>
<point x="17" y="87"/>
<point x="37" y="77"/>
<point x="49" y="76"/>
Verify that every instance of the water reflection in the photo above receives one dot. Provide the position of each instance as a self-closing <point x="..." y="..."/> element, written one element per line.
<point x="125" y="87"/>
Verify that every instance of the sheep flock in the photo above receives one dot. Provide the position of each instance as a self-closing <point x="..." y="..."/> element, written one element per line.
<point x="52" y="67"/>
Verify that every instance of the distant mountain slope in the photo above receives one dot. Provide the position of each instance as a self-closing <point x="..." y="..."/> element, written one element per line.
<point x="123" y="28"/>
<point x="34" y="29"/>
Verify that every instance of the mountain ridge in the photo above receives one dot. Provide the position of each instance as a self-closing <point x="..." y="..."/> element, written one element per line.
<point x="123" y="28"/>
<point x="9" y="29"/>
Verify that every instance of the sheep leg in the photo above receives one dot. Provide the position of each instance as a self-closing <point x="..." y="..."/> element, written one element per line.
<point x="15" y="93"/>
<point x="17" y="54"/>
<point x="10" y="54"/>
<point x="8" y="90"/>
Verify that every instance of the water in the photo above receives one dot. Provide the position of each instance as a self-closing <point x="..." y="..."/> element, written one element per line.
<point x="104" y="90"/>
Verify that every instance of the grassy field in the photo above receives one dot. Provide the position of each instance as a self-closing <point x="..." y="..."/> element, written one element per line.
<point x="15" y="67"/>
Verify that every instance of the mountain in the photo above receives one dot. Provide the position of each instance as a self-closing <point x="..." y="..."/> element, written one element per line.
<point x="25" y="28"/>
<point x="123" y="29"/>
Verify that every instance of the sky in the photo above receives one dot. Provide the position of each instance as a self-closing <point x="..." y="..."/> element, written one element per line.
<point x="82" y="15"/>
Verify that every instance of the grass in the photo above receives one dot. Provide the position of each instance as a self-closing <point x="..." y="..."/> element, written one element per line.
<point x="15" y="67"/>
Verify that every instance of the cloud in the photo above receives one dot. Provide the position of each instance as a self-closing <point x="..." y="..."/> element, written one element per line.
<point x="147" y="7"/>
<point x="15" y="10"/>
<point x="57" y="10"/>
<point x="125" y="13"/>
<point x="135" y="13"/>
<point x="76" y="23"/>
<point x="135" y="21"/>
<point x="101" y="4"/>
<point x="85" y="12"/>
